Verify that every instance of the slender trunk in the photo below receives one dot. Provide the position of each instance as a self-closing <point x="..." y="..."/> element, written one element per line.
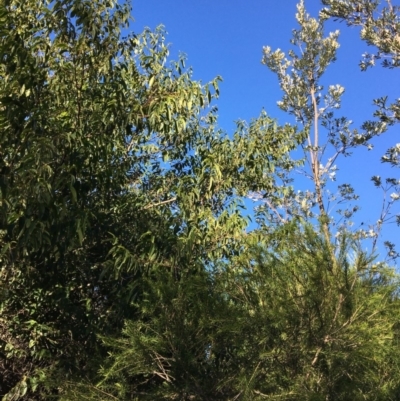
<point x="315" y="162"/>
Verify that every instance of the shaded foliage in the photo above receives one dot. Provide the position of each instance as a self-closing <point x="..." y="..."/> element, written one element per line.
<point x="275" y="323"/>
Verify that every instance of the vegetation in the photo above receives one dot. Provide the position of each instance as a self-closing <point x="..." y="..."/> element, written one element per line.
<point x="126" y="269"/>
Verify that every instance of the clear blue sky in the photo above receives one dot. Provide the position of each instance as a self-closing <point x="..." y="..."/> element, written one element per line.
<point x="225" y="38"/>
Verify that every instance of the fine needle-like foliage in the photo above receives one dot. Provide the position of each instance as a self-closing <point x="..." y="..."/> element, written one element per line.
<point x="311" y="333"/>
<point x="274" y="324"/>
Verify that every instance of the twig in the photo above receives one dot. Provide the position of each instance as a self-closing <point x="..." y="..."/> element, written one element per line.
<point x="149" y="206"/>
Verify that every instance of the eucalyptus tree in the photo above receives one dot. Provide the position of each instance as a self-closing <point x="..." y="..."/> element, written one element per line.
<point x="113" y="179"/>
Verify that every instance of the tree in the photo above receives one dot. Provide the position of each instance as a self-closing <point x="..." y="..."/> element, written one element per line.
<point x="290" y="316"/>
<point x="307" y="332"/>
<point x="327" y="137"/>
<point x="126" y="269"/>
<point x="273" y="323"/>
<point x="343" y="284"/>
<point x="380" y="29"/>
<point x="112" y="175"/>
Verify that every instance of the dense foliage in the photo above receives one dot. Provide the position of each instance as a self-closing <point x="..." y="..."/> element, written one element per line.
<point x="126" y="271"/>
<point x="275" y="323"/>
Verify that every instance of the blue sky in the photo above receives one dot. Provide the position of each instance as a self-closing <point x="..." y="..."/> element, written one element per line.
<point x="226" y="38"/>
